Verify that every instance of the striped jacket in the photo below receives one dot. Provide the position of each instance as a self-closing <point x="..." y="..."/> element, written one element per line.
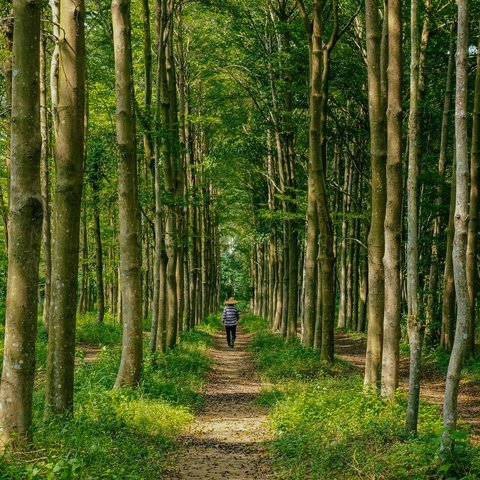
<point x="230" y="315"/>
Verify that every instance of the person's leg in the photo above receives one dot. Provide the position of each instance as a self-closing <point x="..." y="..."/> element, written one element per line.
<point x="234" y="334"/>
<point x="227" y="330"/>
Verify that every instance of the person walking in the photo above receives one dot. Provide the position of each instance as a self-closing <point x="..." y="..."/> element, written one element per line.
<point x="230" y="318"/>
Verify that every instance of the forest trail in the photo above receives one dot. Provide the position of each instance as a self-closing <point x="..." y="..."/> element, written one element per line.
<point x="227" y="439"/>
<point x="433" y="382"/>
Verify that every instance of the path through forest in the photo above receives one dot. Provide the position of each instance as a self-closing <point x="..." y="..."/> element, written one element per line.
<point x="433" y="382"/>
<point x="227" y="439"/>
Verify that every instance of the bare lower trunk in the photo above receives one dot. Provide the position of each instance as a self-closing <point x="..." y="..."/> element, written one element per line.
<point x="376" y="236"/>
<point x="472" y="238"/>
<point x="393" y="211"/>
<point x="25" y="230"/>
<point x="432" y="330"/>
<point x="69" y="156"/>
<point x="45" y="183"/>
<point x="461" y="225"/>
<point x="448" y="305"/>
<point x="99" y="270"/>
<point x="129" y="235"/>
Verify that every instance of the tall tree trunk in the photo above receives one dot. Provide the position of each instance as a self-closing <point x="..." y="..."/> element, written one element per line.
<point x="99" y="269"/>
<point x="431" y="327"/>
<point x="318" y="83"/>
<point x="25" y="229"/>
<point x="129" y="237"/>
<point x="472" y="239"/>
<point x="393" y="211"/>
<point x="83" y="301"/>
<point x="376" y="235"/>
<point x="69" y="157"/>
<point x="45" y="182"/>
<point x="362" y="312"/>
<point x="342" y="307"/>
<point x="461" y="225"/>
<point x="415" y="323"/>
<point x="7" y="32"/>
<point x="448" y="304"/>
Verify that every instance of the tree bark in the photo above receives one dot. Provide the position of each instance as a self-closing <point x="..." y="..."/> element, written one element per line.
<point x="376" y="236"/>
<point x="472" y="236"/>
<point x="393" y="211"/>
<point x="45" y="182"/>
<point x="448" y="304"/>
<point x="99" y="270"/>
<point x="129" y="237"/>
<point x="25" y="215"/>
<point x="69" y="157"/>
<point x="430" y="313"/>
<point x="416" y="325"/>
<point x="461" y="225"/>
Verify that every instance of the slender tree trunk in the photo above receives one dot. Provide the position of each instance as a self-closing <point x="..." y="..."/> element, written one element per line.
<point x="146" y="274"/>
<point x="129" y="237"/>
<point x="7" y="32"/>
<point x="99" y="270"/>
<point x="362" y="312"/>
<point x="25" y="229"/>
<point x="472" y="238"/>
<point x="342" y="308"/>
<point x="430" y="313"/>
<point x="83" y="287"/>
<point x="415" y="323"/>
<point x="448" y="304"/>
<point x="461" y="226"/>
<point x="393" y="211"/>
<point x="376" y="236"/>
<point x="45" y="182"/>
<point x="69" y="156"/>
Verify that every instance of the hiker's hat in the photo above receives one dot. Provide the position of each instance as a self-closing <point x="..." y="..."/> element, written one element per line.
<point x="231" y="301"/>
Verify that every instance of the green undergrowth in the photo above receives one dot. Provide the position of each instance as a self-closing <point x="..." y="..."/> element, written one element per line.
<point x="123" y="434"/>
<point x="326" y="427"/>
<point x="90" y="332"/>
<point x="438" y="360"/>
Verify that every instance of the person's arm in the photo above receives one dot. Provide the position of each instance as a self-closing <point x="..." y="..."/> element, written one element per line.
<point x="237" y="314"/>
<point x="224" y="315"/>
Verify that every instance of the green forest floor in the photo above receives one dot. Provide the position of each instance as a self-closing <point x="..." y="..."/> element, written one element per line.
<point x="269" y="409"/>
<point x="124" y="434"/>
<point x="325" y="427"/>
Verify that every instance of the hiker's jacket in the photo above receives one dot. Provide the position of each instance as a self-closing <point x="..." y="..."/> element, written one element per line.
<point x="230" y="315"/>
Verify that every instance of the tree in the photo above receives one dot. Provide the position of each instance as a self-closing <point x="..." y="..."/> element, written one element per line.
<point x="69" y="110"/>
<point x="393" y="211"/>
<point x="129" y="237"/>
<point x="378" y="155"/>
<point x="25" y="214"/>
<point x="461" y="226"/>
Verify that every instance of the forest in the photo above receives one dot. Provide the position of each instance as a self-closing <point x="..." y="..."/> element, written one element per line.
<point x="314" y="162"/>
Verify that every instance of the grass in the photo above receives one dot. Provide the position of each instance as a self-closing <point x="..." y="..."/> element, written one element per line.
<point x="122" y="434"/>
<point x="326" y="427"/>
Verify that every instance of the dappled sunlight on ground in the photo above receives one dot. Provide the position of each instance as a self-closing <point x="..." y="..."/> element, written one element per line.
<point x="432" y="387"/>
<point x="227" y="440"/>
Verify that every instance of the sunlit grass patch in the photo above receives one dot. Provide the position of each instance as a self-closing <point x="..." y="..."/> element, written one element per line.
<point x="117" y="434"/>
<point x="153" y="417"/>
<point x="326" y="427"/>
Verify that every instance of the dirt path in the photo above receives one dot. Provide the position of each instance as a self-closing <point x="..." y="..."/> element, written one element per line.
<point x="226" y="441"/>
<point x="433" y="382"/>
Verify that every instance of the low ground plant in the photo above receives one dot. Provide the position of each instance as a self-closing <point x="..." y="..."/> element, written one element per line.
<point x="326" y="427"/>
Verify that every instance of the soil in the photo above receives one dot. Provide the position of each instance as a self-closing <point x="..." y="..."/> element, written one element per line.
<point x="227" y="441"/>
<point x="432" y="387"/>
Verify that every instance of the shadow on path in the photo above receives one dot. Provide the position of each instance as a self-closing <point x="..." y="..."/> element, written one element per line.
<point x="227" y="439"/>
